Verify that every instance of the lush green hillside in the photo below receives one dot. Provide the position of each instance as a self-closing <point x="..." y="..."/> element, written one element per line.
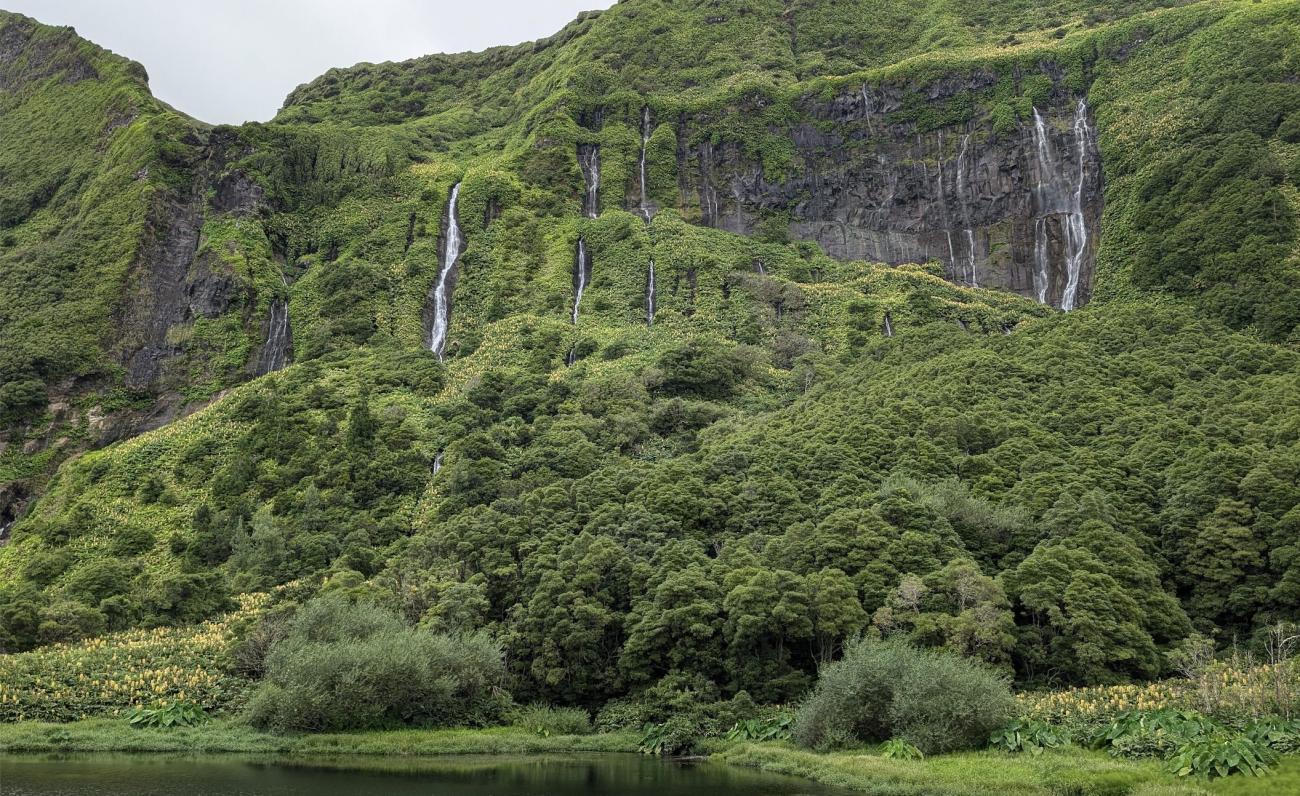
<point x="797" y="450"/>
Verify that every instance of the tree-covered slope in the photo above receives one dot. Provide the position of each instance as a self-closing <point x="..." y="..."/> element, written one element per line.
<point x="781" y="413"/>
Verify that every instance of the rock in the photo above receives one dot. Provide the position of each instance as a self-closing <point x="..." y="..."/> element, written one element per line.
<point x="867" y="186"/>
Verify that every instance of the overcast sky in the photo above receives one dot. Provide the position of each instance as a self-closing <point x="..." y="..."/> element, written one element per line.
<point x="235" y="60"/>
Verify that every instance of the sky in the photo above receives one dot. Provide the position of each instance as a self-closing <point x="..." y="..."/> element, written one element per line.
<point x="231" y="61"/>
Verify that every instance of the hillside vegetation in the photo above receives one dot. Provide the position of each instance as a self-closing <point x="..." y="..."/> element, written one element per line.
<point x="705" y="504"/>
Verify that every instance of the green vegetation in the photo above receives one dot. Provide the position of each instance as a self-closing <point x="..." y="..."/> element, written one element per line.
<point x="893" y="692"/>
<point x="346" y="666"/>
<point x="678" y="535"/>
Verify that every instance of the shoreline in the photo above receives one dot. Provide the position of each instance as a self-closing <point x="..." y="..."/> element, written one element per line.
<point x="1068" y="770"/>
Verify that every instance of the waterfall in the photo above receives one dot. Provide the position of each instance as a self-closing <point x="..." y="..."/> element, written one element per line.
<point x="647" y="215"/>
<point x="970" y="256"/>
<point x="589" y="161"/>
<point x="279" y="339"/>
<point x="1077" y="228"/>
<point x="1042" y="275"/>
<point x="964" y="199"/>
<point x="441" y="294"/>
<point x="650" y="296"/>
<point x="582" y="268"/>
<point x="889" y="326"/>
<point x="437" y="463"/>
<point x="1057" y="197"/>
<point x="759" y="267"/>
<point x="645" y="144"/>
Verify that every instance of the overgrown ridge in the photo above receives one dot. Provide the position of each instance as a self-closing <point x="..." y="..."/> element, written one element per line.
<point x="752" y="324"/>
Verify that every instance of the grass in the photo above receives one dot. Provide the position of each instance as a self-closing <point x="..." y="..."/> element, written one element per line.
<point x="109" y="735"/>
<point x="1065" y="771"/>
<point x="1071" y="771"/>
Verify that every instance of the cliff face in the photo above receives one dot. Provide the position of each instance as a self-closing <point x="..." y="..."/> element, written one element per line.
<point x="1016" y="210"/>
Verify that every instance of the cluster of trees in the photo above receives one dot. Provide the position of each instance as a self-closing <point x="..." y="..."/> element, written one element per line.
<point x="1063" y="503"/>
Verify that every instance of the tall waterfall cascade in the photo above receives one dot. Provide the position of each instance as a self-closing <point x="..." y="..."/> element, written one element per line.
<point x="589" y="161"/>
<point x="963" y="198"/>
<point x="1059" y="193"/>
<point x="647" y="215"/>
<point x="442" y="291"/>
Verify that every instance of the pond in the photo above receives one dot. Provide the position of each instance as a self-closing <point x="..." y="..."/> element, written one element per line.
<point x="230" y="775"/>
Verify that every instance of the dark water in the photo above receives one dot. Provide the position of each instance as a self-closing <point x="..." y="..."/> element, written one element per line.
<point x="594" y="775"/>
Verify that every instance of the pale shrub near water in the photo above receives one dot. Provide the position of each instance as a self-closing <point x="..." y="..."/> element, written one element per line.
<point x="935" y="700"/>
<point x="350" y="666"/>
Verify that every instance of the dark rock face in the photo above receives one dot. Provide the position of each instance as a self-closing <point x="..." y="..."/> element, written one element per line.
<point x="1019" y="211"/>
<point x="174" y="284"/>
<point x="159" y="302"/>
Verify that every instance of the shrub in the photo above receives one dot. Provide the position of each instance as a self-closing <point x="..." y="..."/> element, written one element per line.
<point x="171" y="714"/>
<point x="898" y="749"/>
<point x="347" y="666"/>
<point x="1029" y="735"/>
<point x="675" y="736"/>
<point x="935" y="700"/>
<point x="546" y="721"/>
<point x="772" y="728"/>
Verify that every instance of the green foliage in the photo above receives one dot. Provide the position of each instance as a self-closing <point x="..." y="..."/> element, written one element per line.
<point x="773" y="728"/>
<point x="711" y="506"/>
<point x="888" y="689"/>
<point x="546" y="720"/>
<point x="1029" y="735"/>
<point x="357" y="666"/>
<point x="1221" y="755"/>
<point x="171" y="714"/>
<point x="898" y="749"/>
<point x="675" y="736"/>
<point x="1194" y="745"/>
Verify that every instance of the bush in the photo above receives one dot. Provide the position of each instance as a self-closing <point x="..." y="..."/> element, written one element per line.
<point x="171" y="714"/>
<point x="546" y="721"/>
<point x="348" y="666"/>
<point x="935" y="700"/>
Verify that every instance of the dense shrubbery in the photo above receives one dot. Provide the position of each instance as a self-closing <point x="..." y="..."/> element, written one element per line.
<point x="346" y="665"/>
<point x="880" y="690"/>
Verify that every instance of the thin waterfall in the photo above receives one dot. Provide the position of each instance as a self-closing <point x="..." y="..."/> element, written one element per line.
<point x="1046" y="175"/>
<point x="970" y="256"/>
<point x="581" y="270"/>
<point x="279" y="335"/>
<point x="759" y="267"/>
<point x="645" y="144"/>
<point x="650" y="296"/>
<point x="964" y="199"/>
<point x="1042" y="276"/>
<point x="589" y="161"/>
<point x="1077" y="229"/>
<point x="889" y="326"/>
<point x="437" y="463"/>
<point x="647" y="215"/>
<point x="441" y="293"/>
<point x="279" y="339"/>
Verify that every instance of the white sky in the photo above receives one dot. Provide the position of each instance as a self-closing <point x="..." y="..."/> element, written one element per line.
<point x="235" y="60"/>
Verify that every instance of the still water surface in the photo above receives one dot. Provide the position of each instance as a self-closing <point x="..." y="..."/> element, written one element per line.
<point x="593" y="775"/>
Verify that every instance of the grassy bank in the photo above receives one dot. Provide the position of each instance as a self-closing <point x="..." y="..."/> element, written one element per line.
<point x="1070" y="771"/>
<point x="1055" y="772"/>
<point x="108" y="735"/>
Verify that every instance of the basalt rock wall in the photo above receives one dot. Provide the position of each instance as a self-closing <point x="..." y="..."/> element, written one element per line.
<point x="1016" y="210"/>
